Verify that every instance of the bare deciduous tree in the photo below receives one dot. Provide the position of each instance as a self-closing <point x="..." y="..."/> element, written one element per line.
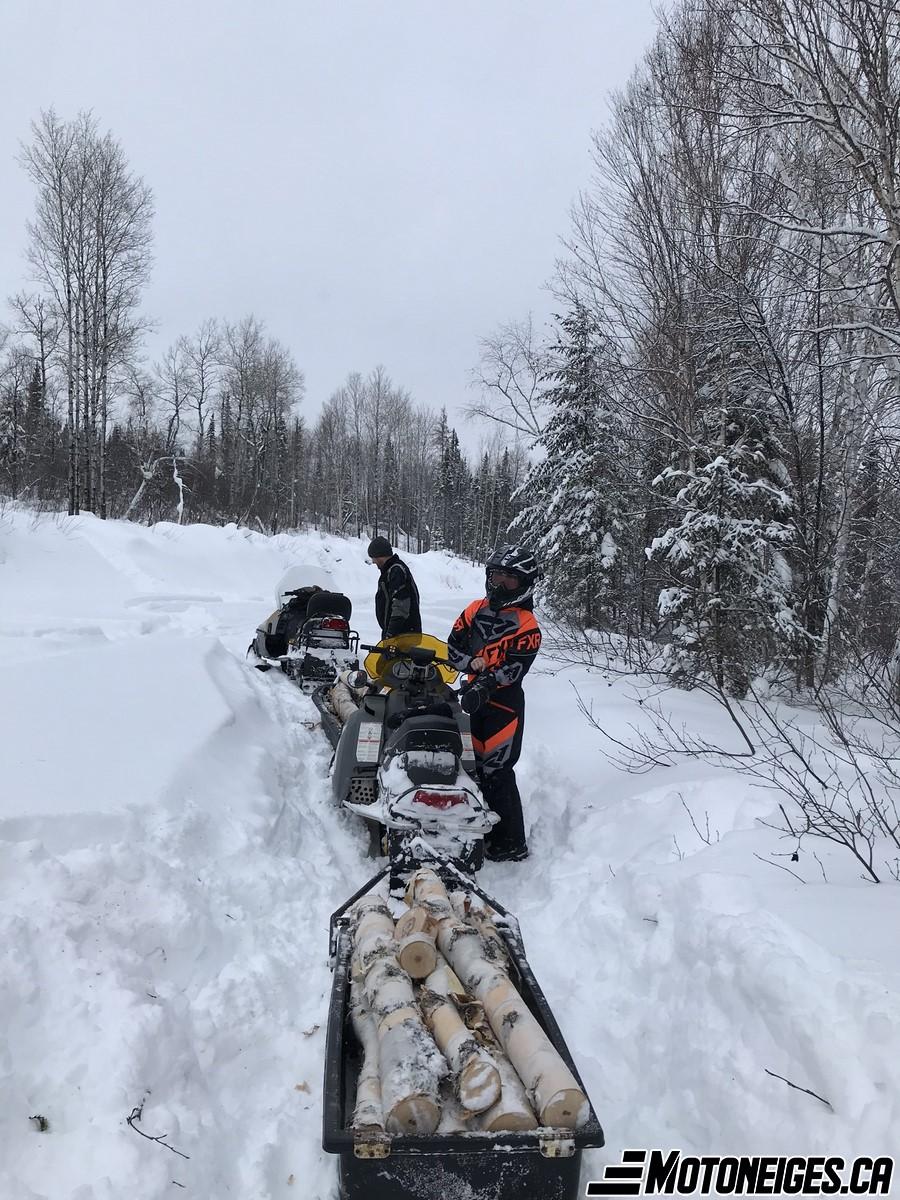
<point x="90" y="251"/>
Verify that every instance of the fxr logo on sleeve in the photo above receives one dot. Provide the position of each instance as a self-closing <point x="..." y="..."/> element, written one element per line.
<point x="659" y="1173"/>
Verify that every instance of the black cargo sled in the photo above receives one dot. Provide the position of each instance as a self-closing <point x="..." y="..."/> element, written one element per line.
<point x="538" y="1164"/>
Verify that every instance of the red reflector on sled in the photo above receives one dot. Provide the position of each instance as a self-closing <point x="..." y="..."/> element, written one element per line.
<point x="439" y="799"/>
<point x="334" y="623"/>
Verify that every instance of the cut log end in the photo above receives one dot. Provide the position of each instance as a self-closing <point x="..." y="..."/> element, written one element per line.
<point x="416" y="920"/>
<point x="479" y="1086"/>
<point x="414" y="1116"/>
<point x="566" y="1109"/>
<point x="362" y="1127"/>
<point x="418" y="956"/>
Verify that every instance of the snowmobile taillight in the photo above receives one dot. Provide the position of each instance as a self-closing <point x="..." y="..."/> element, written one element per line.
<point x="439" y="799"/>
<point x="334" y="623"/>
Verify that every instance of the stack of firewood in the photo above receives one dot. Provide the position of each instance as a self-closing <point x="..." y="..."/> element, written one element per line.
<point x="448" y="1044"/>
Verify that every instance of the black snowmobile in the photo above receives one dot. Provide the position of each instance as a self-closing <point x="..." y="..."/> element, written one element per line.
<point x="308" y="635"/>
<point x="403" y="754"/>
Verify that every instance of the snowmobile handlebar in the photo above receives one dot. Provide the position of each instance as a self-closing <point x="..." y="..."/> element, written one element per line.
<point x="479" y="689"/>
<point x="416" y="654"/>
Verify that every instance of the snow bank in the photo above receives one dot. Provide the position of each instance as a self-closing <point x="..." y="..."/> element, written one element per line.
<point x="169" y="857"/>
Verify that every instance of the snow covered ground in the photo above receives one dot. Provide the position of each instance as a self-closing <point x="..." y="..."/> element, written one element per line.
<point x="169" y="857"/>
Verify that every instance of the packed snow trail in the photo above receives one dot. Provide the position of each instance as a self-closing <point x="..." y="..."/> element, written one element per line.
<point x="175" y="959"/>
<point x="170" y="855"/>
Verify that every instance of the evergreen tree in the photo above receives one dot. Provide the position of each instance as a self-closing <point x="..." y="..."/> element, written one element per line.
<point x="573" y="496"/>
<point x="728" y="600"/>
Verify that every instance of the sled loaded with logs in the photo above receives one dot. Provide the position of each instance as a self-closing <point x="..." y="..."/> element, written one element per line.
<point x="446" y="1074"/>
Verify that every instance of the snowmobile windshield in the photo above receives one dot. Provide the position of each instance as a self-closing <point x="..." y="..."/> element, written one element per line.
<point x="390" y="672"/>
<point x="301" y="577"/>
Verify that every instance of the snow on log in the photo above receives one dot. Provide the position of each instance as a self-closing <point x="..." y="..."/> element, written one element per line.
<point x="410" y="1066"/>
<point x="550" y="1085"/>
<point x="415" y="935"/>
<point x="367" y="1113"/>
<point x="512" y="1111"/>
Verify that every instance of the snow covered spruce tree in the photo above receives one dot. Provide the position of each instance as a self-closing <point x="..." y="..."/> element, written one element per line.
<point x="728" y="601"/>
<point x="572" y="497"/>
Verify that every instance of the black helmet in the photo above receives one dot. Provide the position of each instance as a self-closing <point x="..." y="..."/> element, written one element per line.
<point x="514" y="560"/>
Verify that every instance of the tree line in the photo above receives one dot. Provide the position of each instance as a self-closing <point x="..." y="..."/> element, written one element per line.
<point x="213" y="431"/>
<point x="715" y="484"/>
<point x="716" y="410"/>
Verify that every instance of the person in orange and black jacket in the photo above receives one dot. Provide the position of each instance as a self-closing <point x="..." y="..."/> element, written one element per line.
<point x="495" y="640"/>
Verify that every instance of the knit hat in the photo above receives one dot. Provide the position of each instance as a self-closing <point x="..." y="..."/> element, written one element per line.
<point x="380" y="547"/>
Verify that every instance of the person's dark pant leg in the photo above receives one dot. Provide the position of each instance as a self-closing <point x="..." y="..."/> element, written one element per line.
<point x="502" y="794"/>
<point x="497" y="737"/>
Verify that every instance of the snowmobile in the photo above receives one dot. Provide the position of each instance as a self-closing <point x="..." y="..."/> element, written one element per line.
<point x="308" y="635"/>
<point x="404" y="760"/>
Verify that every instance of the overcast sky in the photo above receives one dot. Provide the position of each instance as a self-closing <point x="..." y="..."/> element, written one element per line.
<point x="380" y="181"/>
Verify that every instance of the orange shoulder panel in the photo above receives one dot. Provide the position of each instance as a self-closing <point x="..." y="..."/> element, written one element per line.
<point x="471" y="609"/>
<point x="527" y="620"/>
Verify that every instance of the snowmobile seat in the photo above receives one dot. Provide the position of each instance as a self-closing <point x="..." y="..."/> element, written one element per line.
<point x="438" y="709"/>
<point x="428" y="732"/>
<point x="327" y="621"/>
<point x="330" y="604"/>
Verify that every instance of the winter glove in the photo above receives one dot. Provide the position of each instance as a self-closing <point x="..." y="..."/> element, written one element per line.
<point x="475" y="697"/>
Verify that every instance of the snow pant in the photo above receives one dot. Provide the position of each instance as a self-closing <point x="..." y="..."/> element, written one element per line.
<point x="497" y="738"/>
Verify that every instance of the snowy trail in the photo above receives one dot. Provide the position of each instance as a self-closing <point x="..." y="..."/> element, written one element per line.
<point x="178" y="855"/>
<point x="170" y="856"/>
<point x="189" y="956"/>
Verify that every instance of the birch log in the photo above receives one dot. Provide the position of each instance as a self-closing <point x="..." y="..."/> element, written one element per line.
<point x="415" y="936"/>
<point x="475" y="1075"/>
<point x="343" y="702"/>
<point x="494" y="945"/>
<point x="410" y="1066"/>
<point x="512" y="1110"/>
<point x="550" y="1085"/>
<point x="367" y="1113"/>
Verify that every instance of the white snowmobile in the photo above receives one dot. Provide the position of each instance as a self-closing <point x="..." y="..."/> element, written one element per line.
<point x="404" y="760"/>
<point x="308" y="635"/>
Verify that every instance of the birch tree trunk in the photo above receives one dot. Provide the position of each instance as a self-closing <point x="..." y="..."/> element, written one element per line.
<point x="511" y="1111"/>
<point x="475" y="1074"/>
<point x="415" y="936"/>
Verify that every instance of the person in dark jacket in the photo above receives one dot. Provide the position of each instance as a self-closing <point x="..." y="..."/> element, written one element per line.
<point x="496" y="639"/>
<point x="397" y="597"/>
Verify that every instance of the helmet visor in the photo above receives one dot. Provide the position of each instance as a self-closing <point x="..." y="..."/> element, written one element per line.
<point x="499" y="578"/>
